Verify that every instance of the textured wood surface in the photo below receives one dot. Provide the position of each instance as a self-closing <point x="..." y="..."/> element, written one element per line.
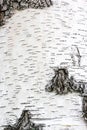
<point x="32" y="42"/>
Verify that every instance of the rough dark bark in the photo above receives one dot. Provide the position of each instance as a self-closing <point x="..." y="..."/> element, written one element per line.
<point x="1" y="17"/>
<point x="6" y="6"/>
<point x="84" y="106"/>
<point x="24" y="123"/>
<point x="62" y="84"/>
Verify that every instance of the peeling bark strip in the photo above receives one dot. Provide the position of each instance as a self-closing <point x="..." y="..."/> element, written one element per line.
<point x="62" y="84"/>
<point x="24" y="123"/>
<point x="7" y="7"/>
